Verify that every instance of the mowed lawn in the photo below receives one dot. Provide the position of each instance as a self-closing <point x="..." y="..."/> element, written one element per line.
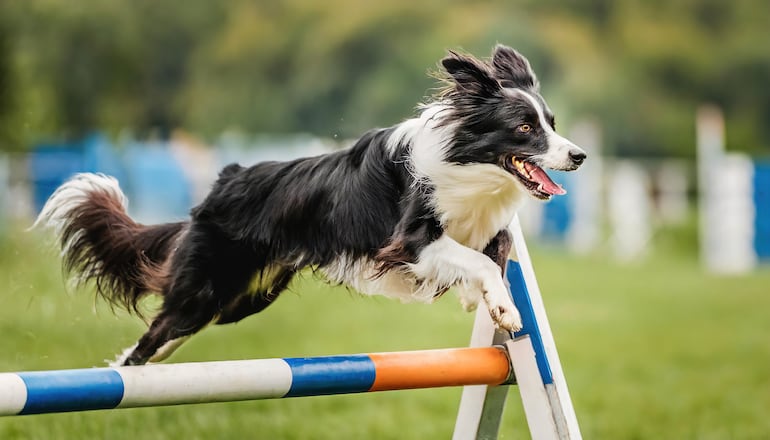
<point x="656" y="350"/>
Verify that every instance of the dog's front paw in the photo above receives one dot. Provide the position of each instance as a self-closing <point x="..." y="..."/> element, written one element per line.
<point x="469" y="298"/>
<point x="506" y="318"/>
<point x="468" y="306"/>
<point x="469" y="303"/>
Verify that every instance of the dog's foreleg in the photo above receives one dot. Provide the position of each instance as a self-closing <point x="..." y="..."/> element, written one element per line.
<point x="449" y="263"/>
<point x="498" y="250"/>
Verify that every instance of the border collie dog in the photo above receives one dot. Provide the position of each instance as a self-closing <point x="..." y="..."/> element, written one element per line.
<point x="407" y="212"/>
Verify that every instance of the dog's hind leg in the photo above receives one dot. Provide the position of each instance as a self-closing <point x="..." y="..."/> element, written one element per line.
<point x="208" y="273"/>
<point x="178" y="320"/>
<point x="171" y="328"/>
<point x="162" y="353"/>
<point x="244" y="306"/>
<point x="254" y="302"/>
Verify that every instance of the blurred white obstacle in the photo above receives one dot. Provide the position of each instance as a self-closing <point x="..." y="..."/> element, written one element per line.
<point x="726" y="205"/>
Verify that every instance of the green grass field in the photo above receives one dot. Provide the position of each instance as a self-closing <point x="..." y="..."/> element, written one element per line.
<point x="656" y="350"/>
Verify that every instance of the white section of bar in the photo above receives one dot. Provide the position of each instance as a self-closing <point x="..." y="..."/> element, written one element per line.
<point x="14" y="394"/>
<point x="221" y="381"/>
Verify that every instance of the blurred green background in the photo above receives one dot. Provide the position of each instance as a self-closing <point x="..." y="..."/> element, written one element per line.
<point x="340" y="67"/>
<point x="654" y="348"/>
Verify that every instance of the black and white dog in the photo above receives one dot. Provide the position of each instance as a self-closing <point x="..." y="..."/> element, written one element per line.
<point x="407" y="212"/>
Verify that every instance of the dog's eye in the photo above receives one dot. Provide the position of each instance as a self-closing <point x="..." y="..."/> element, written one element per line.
<point x="524" y="128"/>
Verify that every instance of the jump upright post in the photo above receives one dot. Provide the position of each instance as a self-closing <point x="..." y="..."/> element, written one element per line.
<point x="537" y="369"/>
<point x="494" y="361"/>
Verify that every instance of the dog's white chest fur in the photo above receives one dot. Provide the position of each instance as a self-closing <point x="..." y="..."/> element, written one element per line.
<point x="475" y="202"/>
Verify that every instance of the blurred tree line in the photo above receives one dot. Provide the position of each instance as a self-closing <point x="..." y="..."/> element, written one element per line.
<point x="338" y="67"/>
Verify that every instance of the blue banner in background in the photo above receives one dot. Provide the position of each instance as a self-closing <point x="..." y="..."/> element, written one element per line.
<point x="558" y="212"/>
<point x="148" y="173"/>
<point x="762" y="210"/>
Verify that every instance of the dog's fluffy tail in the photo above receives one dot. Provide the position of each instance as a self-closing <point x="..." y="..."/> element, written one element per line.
<point x="101" y="243"/>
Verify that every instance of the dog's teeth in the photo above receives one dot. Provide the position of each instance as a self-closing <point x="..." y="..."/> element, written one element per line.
<point x="522" y="170"/>
<point x="519" y="165"/>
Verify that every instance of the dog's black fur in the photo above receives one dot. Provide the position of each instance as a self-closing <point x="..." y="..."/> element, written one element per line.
<point x="260" y="225"/>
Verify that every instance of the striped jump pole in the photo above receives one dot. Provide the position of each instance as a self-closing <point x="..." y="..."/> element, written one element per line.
<point x="40" y="392"/>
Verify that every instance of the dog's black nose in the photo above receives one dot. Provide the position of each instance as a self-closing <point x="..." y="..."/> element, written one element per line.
<point x="577" y="156"/>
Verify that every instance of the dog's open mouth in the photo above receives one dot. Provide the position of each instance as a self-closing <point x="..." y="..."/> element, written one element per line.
<point x="533" y="178"/>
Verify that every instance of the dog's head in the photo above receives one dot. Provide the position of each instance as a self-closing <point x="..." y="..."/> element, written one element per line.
<point x="500" y="118"/>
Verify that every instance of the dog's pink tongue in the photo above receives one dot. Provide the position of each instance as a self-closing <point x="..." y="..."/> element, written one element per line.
<point x="546" y="184"/>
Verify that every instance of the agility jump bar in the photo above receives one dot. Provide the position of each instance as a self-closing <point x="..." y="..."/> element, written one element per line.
<point x="39" y="392"/>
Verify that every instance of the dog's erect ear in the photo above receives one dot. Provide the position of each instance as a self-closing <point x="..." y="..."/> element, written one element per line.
<point x="512" y="69"/>
<point x="470" y="75"/>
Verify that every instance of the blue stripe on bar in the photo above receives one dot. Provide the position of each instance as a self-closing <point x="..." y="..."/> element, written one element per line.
<point x="71" y="390"/>
<point x="524" y="304"/>
<point x="330" y="375"/>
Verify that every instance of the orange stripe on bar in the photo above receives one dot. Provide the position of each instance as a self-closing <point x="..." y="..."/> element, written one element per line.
<point x="440" y="368"/>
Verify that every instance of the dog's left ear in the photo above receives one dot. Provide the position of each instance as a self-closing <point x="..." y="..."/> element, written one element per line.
<point x="512" y="69"/>
<point x="470" y="75"/>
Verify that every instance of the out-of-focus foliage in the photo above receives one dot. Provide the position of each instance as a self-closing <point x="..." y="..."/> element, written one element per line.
<point x="339" y="67"/>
